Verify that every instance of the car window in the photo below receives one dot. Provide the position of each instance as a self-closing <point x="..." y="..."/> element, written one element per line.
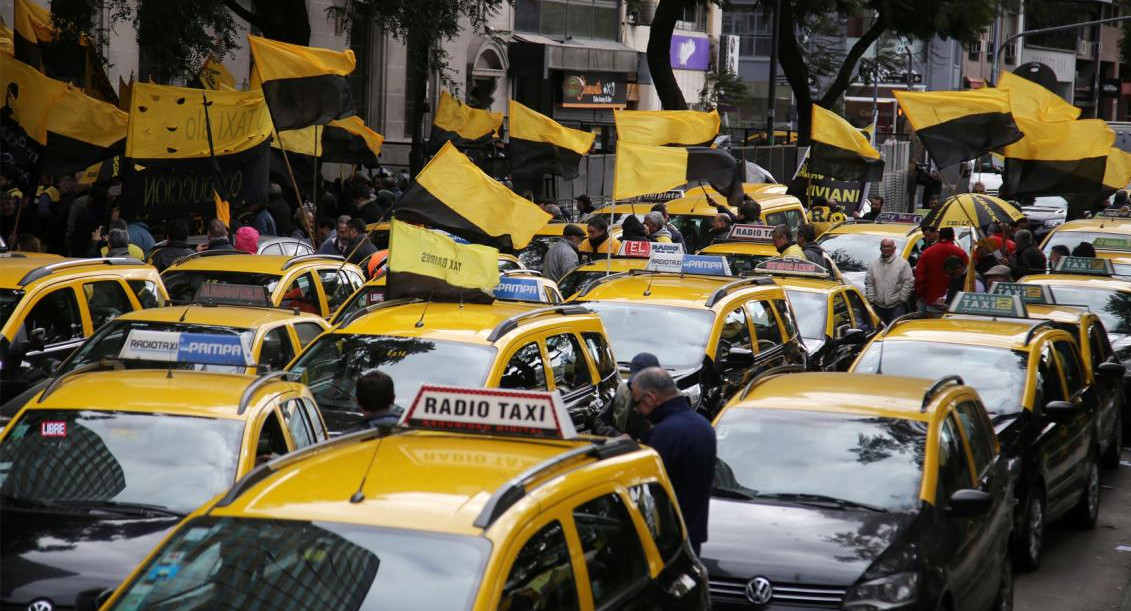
<point x="601" y="353"/>
<point x="57" y="313"/>
<point x="107" y="300"/>
<point x="148" y="295"/>
<point x="525" y="370"/>
<point x="954" y="471"/>
<point x="786" y="314"/>
<point x="336" y="287"/>
<point x="1070" y="363"/>
<point x="653" y="502"/>
<point x="1048" y="380"/>
<point x="541" y="578"/>
<point x="840" y="312"/>
<point x="306" y="332"/>
<point x="736" y="331"/>
<point x="765" y="325"/>
<point x="1100" y="348"/>
<point x="302" y="432"/>
<point x="271" y="440"/>
<point x="859" y="312"/>
<point x="567" y="361"/>
<point x="978" y="434"/>
<point x="313" y="416"/>
<point x="353" y="279"/>
<point x="274" y="248"/>
<point x="611" y="547"/>
<point x="302" y="295"/>
<point x="276" y="350"/>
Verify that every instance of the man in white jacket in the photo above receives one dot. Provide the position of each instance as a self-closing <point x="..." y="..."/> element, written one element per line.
<point x="889" y="283"/>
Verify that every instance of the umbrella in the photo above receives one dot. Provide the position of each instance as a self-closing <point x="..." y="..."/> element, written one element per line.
<point x="974" y="209"/>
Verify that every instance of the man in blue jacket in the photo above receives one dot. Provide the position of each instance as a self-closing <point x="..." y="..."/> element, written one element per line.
<point x="684" y="440"/>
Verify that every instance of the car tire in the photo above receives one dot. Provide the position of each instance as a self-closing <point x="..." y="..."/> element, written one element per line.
<point x="1115" y="447"/>
<point x="1004" y="599"/>
<point x="1030" y="539"/>
<point x="1087" y="509"/>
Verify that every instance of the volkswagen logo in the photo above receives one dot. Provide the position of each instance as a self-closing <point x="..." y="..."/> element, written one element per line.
<point x="42" y="604"/>
<point x="759" y="590"/>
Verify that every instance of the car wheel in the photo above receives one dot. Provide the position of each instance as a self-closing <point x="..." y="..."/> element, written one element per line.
<point x="1087" y="509"/>
<point x="1004" y="599"/>
<point x="1115" y="448"/>
<point x="1031" y="536"/>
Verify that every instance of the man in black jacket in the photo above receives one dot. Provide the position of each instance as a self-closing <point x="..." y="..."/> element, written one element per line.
<point x="175" y="247"/>
<point x="218" y="236"/>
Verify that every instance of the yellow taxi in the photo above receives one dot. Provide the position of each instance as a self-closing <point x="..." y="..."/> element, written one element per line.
<point x="862" y="493"/>
<point x="105" y="463"/>
<point x="576" y="280"/>
<point x="1072" y="233"/>
<point x="506" y="344"/>
<point x="778" y="208"/>
<point x="691" y="215"/>
<point x="379" y="234"/>
<point x="834" y="318"/>
<point x="712" y="331"/>
<point x="1030" y="377"/>
<point x="49" y="304"/>
<point x="479" y="514"/>
<point x="318" y="284"/>
<point x="747" y="246"/>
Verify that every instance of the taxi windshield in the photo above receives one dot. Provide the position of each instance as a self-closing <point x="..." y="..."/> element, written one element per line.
<point x="333" y="363"/>
<point x="811" y="309"/>
<point x="73" y="458"/>
<point x="1072" y="239"/>
<point x="677" y="336"/>
<point x="1113" y="307"/>
<point x="576" y="280"/>
<point x="107" y="344"/>
<point x="778" y="453"/>
<point x="9" y="299"/>
<point x="998" y="374"/>
<point x="182" y="285"/>
<point x="241" y="563"/>
<point x="741" y="265"/>
<point x="854" y="251"/>
<point x="535" y="253"/>
<point x="696" y="230"/>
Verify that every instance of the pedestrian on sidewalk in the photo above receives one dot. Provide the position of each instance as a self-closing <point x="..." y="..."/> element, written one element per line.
<point x="889" y="283"/>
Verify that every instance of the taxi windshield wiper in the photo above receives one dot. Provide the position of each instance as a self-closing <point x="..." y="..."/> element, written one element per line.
<point x="21" y="501"/>
<point x="734" y="493"/>
<point x="821" y="499"/>
<point x="133" y="509"/>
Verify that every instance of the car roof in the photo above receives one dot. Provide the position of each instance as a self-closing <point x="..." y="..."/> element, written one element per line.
<point x="844" y="393"/>
<point x="613" y="264"/>
<point x="236" y="317"/>
<point x="1097" y="225"/>
<point x="740" y="248"/>
<point x="1073" y="315"/>
<point x="14" y="267"/>
<point x="1010" y="333"/>
<point x="1081" y="281"/>
<point x="421" y="480"/>
<point x="686" y="291"/>
<point x="814" y="285"/>
<point x="180" y="392"/>
<point x="467" y="323"/>
<point x="893" y="230"/>
<point x="256" y="264"/>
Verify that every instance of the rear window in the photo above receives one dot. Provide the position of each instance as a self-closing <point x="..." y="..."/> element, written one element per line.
<point x="182" y="285"/>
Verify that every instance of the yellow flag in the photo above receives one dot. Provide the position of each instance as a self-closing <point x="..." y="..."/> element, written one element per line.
<point x="642" y="168"/>
<point x="459" y="123"/>
<point x="1057" y="157"/>
<point x="223" y="210"/>
<point x="667" y="127"/>
<point x="28" y="97"/>
<point x="539" y="145"/>
<point x="303" y="85"/>
<point x="214" y="75"/>
<point x="1032" y="101"/>
<point x="82" y="131"/>
<point x="168" y="122"/>
<point x="839" y="150"/>
<point x="428" y="264"/>
<point x="1117" y="173"/>
<point x="7" y="47"/>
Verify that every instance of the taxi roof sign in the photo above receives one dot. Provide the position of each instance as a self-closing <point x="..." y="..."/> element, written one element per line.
<point x="490" y="411"/>
<point x="665" y="196"/>
<point x="1039" y="294"/>
<point x="907" y="218"/>
<point x="520" y="289"/>
<point x="213" y="293"/>
<point x="639" y="249"/>
<point x="196" y="348"/>
<point x="987" y="304"/>
<point x="700" y="265"/>
<point x="792" y="267"/>
<point x="1117" y="213"/>
<point x="1086" y="266"/>
<point x="751" y="233"/>
<point x="1112" y="244"/>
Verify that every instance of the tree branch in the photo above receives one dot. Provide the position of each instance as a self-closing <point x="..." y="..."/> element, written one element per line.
<point x="242" y="13"/>
<point x="844" y="76"/>
<point x="791" y="58"/>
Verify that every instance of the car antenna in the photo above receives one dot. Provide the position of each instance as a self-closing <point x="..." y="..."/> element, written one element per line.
<point x="359" y="496"/>
<point x="420" y="323"/>
<point x="648" y="289"/>
<point x="880" y="363"/>
<point x="185" y="313"/>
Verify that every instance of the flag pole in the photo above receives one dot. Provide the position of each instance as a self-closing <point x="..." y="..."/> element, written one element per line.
<point x="212" y="156"/>
<point x="317" y="170"/>
<point x="294" y="183"/>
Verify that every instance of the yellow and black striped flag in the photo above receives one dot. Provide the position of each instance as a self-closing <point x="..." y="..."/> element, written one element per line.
<point x="7" y="44"/>
<point x="461" y="124"/>
<point x="32" y="26"/>
<point x="642" y="168"/>
<point x="82" y="131"/>
<point x="957" y="126"/>
<point x="214" y="75"/>
<point x="28" y="98"/>
<point x="429" y="265"/>
<point x="453" y="194"/>
<point x="36" y="43"/>
<point x="1059" y="157"/>
<point x="667" y="127"/>
<point x="539" y="145"/>
<point x="303" y="85"/>
<point x="346" y="140"/>
<point x="1029" y="100"/>
<point x="840" y="151"/>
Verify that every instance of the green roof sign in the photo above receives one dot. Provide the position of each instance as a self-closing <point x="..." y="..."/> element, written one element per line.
<point x="1111" y="243"/>
<point x="1084" y="265"/>
<point x="987" y="304"/>
<point x="1029" y="293"/>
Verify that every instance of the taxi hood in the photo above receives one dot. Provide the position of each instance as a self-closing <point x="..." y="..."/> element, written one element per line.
<point x="788" y="543"/>
<point x="70" y="558"/>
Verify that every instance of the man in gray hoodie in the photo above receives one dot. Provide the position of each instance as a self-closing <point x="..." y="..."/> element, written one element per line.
<point x="889" y="283"/>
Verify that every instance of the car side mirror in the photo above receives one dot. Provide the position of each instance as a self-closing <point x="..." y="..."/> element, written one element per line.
<point x="969" y="503"/>
<point x="37" y="338"/>
<point x="1112" y="370"/>
<point x="739" y="357"/>
<point x="1059" y="411"/>
<point x="853" y="336"/>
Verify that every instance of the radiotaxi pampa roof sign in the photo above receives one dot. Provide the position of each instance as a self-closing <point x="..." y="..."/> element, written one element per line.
<point x="519" y="289"/>
<point x="702" y="265"/>
<point x="196" y="348"/>
<point x="490" y="411"/>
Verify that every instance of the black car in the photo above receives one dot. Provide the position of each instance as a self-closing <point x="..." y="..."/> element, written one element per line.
<point x="822" y="500"/>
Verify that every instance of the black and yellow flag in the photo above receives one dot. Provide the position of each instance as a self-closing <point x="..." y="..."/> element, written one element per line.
<point x="350" y="140"/>
<point x="539" y="145"/>
<point x="214" y="75"/>
<point x="32" y="26"/>
<point x="461" y="124"/>
<point x="642" y="168"/>
<point x="346" y="140"/>
<point x="36" y="43"/>
<point x="7" y="44"/>
<point x="429" y="265"/>
<point x="839" y="150"/>
<point x="453" y="194"/>
<point x="1055" y="158"/>
<point x="303" y="85"/>
<point x="172" y="156"/>
<point x="957" y="126"/>
<point x="82" y="131"/>
<point x="28" y="98"/>
<point x="1029" y="100"/>
<point x="667" y="127"/>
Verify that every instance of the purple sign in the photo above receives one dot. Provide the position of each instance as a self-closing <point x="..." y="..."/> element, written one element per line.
<point x="690" y="53"/>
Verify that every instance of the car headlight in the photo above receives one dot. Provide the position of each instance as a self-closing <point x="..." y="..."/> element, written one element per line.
<point x="1054" y="222"/>
<point x="892" y="592"/>
<point x="693" y="393"/>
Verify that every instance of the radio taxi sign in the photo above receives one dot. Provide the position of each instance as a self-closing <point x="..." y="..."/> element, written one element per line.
<point x="1112" y="244"/>
<point x="1039" y="294"/>
<point x="490" y="411"/>
<point x="906" y="218"/>
<point x="752" y="233"/>
<point x="791" y="267"/>
<point x="638" y="249"/>
<point x="1087" y="266"/>
<point x="985" y="304"/>
<point x="701" y="265"/>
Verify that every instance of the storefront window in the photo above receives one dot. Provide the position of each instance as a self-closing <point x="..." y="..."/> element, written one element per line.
<point x="574" y="19"/>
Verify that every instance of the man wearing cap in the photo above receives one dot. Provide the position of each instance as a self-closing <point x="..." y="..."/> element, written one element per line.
<point x="997" y="273"/>
<point x="621" y="417"/>
<point x="562" y="256"/>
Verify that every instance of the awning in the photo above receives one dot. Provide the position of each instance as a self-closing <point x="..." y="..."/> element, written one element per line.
<point x="975" y="83"/>
<point x="534" y="55"/>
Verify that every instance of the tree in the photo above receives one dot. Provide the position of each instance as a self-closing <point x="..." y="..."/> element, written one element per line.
<point x="668" y="12"/>
<point x="723" y="90"/>
<point x="962" y="20"/>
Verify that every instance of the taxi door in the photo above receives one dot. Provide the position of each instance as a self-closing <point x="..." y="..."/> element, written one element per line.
<point x="53" y="323"/>
<point x="958" y="537"/>
<point x="575" y="376"/>
<point x="538" y="570"/>
<point x="1081" y="430"/>
<point x="1052" y="444"/>
<point x="105" y="299"/>
<point x="1109" y="391"/>
<point x="265" y="437"/>
<point x="839" y="323"/>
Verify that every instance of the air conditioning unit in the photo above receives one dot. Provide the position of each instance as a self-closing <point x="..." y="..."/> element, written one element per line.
<point x="728" y="53"/>
<point x="1086" y="48"/>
